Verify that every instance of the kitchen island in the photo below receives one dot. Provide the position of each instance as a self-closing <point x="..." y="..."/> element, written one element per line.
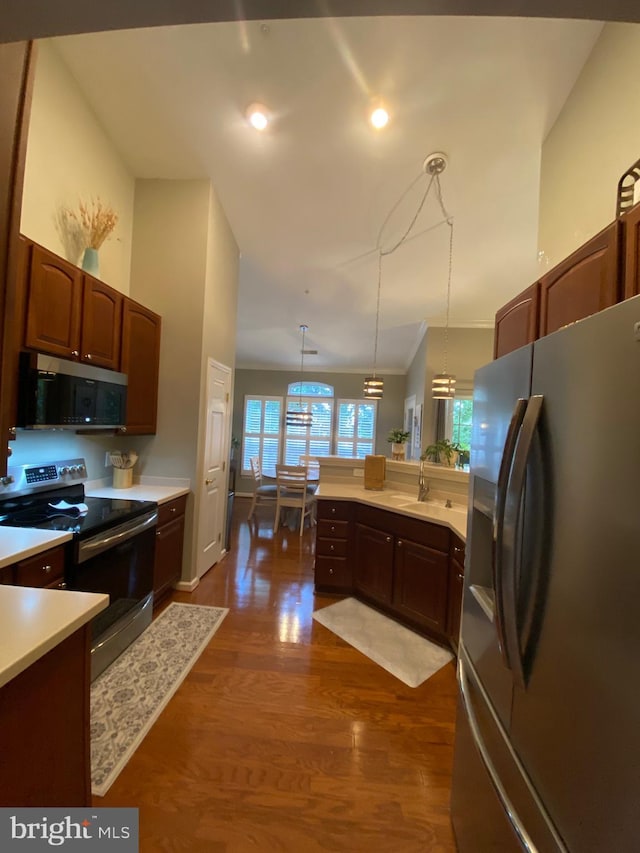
<point x="44" y="695"/>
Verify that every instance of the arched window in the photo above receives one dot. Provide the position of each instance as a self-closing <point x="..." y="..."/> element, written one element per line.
<point x="317" y="398"/>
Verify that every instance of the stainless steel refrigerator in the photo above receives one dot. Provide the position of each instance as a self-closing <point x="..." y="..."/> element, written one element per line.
<point x="547" y="752"/>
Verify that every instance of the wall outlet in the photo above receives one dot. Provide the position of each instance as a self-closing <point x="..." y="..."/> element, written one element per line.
<point x="107" y="460"/>
<point x="358" y="472"/>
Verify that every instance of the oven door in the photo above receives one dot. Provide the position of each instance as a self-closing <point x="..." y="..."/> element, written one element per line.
<point x="119" y="562"/>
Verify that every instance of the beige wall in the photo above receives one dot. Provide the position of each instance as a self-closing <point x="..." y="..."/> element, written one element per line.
<point x="593" y="141"/>
<point x="70" y="158"/>
<point x="184" y="266"/>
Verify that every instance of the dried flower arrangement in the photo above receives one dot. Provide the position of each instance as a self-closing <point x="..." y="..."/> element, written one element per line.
<point x="96" y="221"/>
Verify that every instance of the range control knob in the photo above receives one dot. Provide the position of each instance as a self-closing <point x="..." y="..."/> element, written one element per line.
<point x="62" y="471"/>
<point x="81" y="469"/>
<point x="73" y="470"/>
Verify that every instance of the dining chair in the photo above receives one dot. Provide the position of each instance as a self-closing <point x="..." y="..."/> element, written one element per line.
<point x="293" y="492"/>
<point x="312" y="465"/>
<point x="261" y="494"/>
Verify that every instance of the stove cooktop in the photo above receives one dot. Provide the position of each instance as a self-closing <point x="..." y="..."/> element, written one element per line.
<point x="67" y="509"/>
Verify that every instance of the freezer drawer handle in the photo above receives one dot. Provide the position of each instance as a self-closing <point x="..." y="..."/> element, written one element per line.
<point x="514" y="819"/>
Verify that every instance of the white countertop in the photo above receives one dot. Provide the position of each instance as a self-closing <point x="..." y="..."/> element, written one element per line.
<point x="403" y="503"/>
<point x="138" y="492"/>
<point x="34" y="621"/>
<point x="18" y="543"/>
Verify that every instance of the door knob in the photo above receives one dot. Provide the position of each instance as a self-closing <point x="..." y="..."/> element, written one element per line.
<point x="208" y="482"/>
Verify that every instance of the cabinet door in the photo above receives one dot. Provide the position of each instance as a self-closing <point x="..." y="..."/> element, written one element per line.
<point x="631" y="226"/>
<point x="140" y="361"/>
<point x="456" y="583"/>
<point x="101" y="324"/>
<point x="517" y="321"/>
<point x="583" y="284"/>
<point x="54" y="302"/>
<point x="168" y="559"/>
<point x="420" y="585"/>
<point x="373" y="575"/>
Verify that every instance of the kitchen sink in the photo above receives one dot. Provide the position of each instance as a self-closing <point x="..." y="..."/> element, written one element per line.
<point x="429" y="505"/>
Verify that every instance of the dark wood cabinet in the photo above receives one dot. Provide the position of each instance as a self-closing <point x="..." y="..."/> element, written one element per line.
<point x="101" y="324"/>
<point x="69" y="313"/>
<point x="456" y="583"/>
<point x="169" y="543"/>
<point x="517" y="321"/>
<point x="140" y="361"/>
<point x="420" y="584"/>
<point x="43" y="570"/>
<point x="44" y="720"/>
<point x="373" y="574"/>
<point x="54" y="305"/>
<point x="334" y="547"/>
<point x="584" y="283"/>
<point x="631" y="242"/>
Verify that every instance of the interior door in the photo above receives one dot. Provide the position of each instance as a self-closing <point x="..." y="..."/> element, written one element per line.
<point x="214" y="468"/>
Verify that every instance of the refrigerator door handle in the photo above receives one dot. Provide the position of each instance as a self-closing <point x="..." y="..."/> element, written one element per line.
<point x="510" y="445"/>
<point x="509" y="555"/>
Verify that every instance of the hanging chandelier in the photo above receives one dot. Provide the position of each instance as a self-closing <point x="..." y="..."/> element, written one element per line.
<point x="443" y="386"/>
<point x="296" y="416"/>
<point x="374" y="385"/>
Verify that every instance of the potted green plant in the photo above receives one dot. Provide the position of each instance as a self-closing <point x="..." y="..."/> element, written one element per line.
<point x="443" y="452"/>
<point x="397" y="438"/>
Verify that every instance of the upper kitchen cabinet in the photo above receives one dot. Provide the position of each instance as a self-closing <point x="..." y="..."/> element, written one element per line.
<point x="54" y="305"/>
<point x="140" y="361"/>
<point x="517" y="321"/>
<point x="583" y="284"/>
<point x="631" y="235"/>
<point x="71" y="314"/>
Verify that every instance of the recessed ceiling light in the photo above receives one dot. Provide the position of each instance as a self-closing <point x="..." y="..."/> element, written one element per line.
<point x="257" y="116"/>
<point x="379" y="117"/>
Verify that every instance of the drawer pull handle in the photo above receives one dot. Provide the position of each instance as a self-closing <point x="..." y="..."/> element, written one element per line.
<point x="172" y="509"/>
<point x="61" y="585"/>
<point x="330" y="571"/>
<point x="460" y="577"/>
<point x="333" y="510"/>
<point x="331" y="548"/>
<point x="388" y="539"/>
<point x="46" y="568"/>
<point x="333" y="528"/>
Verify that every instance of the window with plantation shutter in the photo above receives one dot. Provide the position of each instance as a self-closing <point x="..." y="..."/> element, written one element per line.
<point x="261" y="432"/>
<point x="314" y="440"/>
<point x="356" y="428"/>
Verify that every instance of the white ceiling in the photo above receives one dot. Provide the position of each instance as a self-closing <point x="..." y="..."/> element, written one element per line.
<point x="307" y="198"/>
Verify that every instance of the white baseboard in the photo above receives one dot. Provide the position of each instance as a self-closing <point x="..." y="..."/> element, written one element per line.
<point x="187" y="586"/>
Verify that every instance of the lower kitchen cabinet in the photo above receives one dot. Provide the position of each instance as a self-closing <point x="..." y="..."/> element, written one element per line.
<point x="169" y="541"/>
<point x="44" y="729"/>
<point x="421" y="585"/>
<point x="334" y="547"/>
<point x="45" y="570"/>
<point x="373" y="575"/>
<point x="456" y="583"/>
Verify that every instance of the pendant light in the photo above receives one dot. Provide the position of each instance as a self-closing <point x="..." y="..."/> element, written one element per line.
<point x="296" y="417"/>
<point x="443" y="386"/>
<point x="374" y="385"/>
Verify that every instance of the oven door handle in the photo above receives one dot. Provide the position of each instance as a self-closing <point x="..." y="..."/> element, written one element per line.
<point x="115" y="536"/>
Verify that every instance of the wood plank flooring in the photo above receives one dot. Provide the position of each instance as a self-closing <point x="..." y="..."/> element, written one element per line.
<point x="283" y="737"/>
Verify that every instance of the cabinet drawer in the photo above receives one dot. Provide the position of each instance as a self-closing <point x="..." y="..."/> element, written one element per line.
<point x="45" y="569"/>
<point x="6" y="574"/>
<point x="334" y="572"/>
<point x="167" y="512"/>
<point x="332" y="547"/>
<point x="335" y="510"/>
<point x="332" y="529"/>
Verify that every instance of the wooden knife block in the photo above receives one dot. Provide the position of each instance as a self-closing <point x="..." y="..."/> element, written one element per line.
<point x="374" y="471"/>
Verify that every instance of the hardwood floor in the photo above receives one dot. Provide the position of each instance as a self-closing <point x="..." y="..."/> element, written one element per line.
<point x="284" y="738"/>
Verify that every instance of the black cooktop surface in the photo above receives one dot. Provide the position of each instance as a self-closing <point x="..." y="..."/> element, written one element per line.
<point x="68" y="509"/>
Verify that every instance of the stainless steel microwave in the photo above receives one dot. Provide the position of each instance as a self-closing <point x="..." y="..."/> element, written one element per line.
<point x="54" y="393"/>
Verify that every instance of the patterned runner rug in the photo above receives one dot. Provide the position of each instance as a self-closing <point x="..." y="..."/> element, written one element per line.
<point x="397" y="649"/>
<point x="130" y="694"/>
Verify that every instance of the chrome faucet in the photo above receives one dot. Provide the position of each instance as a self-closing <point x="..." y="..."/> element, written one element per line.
<point x="423" y="485"/>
